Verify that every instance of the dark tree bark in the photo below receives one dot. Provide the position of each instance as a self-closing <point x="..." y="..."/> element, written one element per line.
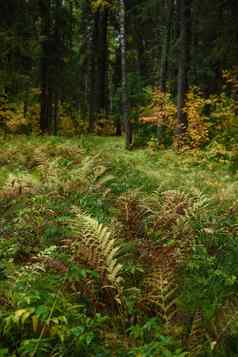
<point x="55" y="116"/>
<point x="57" y="64"/>
<point x="92" y="73"/>
<point x="102" y="62"/>
<point x="184" y="12"/>
<point x="46" y="102"/>
<point x="126" y="120"/>
<point x="166" y="35"/>
<point x="115" y="85"/>
<point x="98" y="67"/>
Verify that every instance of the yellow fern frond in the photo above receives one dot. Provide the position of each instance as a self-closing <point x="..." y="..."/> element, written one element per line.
<point x="99" y="247"/>
<point x="162" y="293"/>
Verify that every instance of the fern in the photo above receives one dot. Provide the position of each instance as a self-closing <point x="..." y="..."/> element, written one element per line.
<point x="90" y="175"/>
<point x="100" y="249"/>
<point x="219" y="328"/>
<point x="40" y="158"/>
<point x="87" y="175"/>
<point x="197" y="335"/>
<point x="17" y="185"/>
<point x="162" y="293"/>
<point x="171" y="216"/>
<point x="132" y="214"/>
<point x="222" y="324"/>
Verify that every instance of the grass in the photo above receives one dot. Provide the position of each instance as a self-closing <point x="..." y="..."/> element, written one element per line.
<point x="152" y="201"/>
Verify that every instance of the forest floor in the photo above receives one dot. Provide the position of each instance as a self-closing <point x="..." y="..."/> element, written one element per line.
<point x="54" y="298"/>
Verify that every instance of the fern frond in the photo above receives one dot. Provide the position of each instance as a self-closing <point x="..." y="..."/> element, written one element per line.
<point x="223" y="322"/>
<point x="90" y="175"/>
<point x="16" y="185"/>
<point x="40" y="157"/>
<point x="197" y="335"/>
<point x="99" y="247"/>
<point x="198" y="203"/>
<point x="162" y="293"/>
<point x="132" y="214"/>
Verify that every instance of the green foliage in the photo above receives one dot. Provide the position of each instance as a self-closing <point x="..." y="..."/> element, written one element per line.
<point x="153" y="342"/>
<point x="90" y="253"/>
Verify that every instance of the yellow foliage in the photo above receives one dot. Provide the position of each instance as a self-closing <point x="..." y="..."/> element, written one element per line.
<point x="197" y="130"/>
<point x="104" y="126"/>
<point x="66" y="125"/>
<point x="231" y="81"/>
<point x="16" y="122"/>
<point x="12" y="120"/>
<point x="223" y="114"/>
<point x="162" y="111"/>
<point x="34" y="118"/>
<point x="96" y="4"/>
<point x="207" y="118"/>
<point x="69" y="125"/>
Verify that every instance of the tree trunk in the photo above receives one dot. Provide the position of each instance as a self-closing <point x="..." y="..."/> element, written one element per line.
<point x="46" y="103"/>
<point x="115" y="86"/>
<point x="55" y="116"/>
<point x="92" y="100"/>
<point x="183" y="63"/>
<point x="166" y="37"/>
<point x="98" y="67"/>
<point x="57" y="63"/>
<point x="26" y="104"/>
<point x="102" y="62"/>
<point x="126" y="121"/>
<point x="166" y="34"/>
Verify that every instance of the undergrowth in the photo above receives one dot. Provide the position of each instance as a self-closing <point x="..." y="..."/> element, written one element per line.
<point x="111" y="253"/>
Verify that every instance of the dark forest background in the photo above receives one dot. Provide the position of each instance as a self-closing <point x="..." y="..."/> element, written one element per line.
<point x="62" y="62"/>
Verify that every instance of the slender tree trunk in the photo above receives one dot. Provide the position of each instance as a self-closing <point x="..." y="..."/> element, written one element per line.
<point x="183" y="63"/>
<point x="92" y="100"/>
<point x="44" y="68"/>
<point x="26" y="103"/>
<point x="55" y="115"/>
<point x="166" y="34"/>
<point x="58" y="62"/>
<point x="102" y="54"/>
<point x="83" y="101"/>
<point x="166" y="37"/>
<point x="98" y="67"/>
<point x="44" y="112"/>
<point x="116" y="80"/>
<point x="126" y="120"/>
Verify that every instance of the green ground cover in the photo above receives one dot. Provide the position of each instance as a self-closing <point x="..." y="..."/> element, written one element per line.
<point x="107" y="252"/>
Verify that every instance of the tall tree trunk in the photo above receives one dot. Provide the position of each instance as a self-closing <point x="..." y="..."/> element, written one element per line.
<point x="166" y="34"/>
<point x="115" y="82"/>
<point x="184" y="11"/>
<point x="92" y="100"/>
<point x="46" y="103"/>
<point x="98" y="67"/>
<point x="126" y="120"/>
<point x="26" y="103"/>
<point x="102" y="62"/>
<point x="57" y="64"/>
<point x="44" y="111"/>
<point x="55" y="114"/>
<point x="166" y="37"/>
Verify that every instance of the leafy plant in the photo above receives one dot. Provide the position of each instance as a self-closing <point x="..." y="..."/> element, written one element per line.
<point x="97" y="245"/>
